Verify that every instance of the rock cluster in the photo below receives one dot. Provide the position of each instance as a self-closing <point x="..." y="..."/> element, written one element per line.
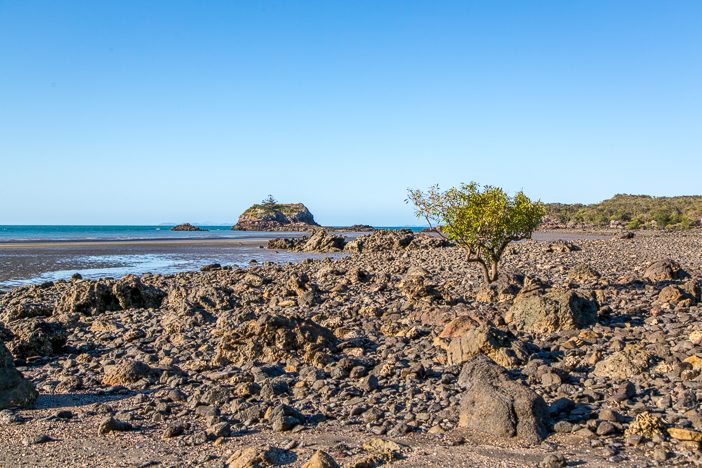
<point x="395" y="345"/>
<point x="380" y="240"/>
<point x="15" y="390"/>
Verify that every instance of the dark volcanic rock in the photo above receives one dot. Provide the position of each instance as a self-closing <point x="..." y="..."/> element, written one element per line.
<point x="34" y="337"/>
<point x="664" y="270"/>
<point x="496" y="404"/>
<point x="15" y="390"/>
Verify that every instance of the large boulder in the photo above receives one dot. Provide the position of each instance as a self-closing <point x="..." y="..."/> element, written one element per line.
<point x="276" y="217"/>
<point x="628" y="363"/>
<point x="15" y="390"/>
<point x="495" y="404"/>
<point x="272" y="339"/>
<point x="501" y="346"/>
<point x="552" y="310"/>
<point x="322" y="241"/>
<point x="34" y="337"/>
<point x="417" y="285"/>
<point x="126" y="373"/>
<point x="132" y="293"/>
<point x="505" y="288"/>
<point x="27" y="302"/>
<point x="664" y="270"/>
<point x="89" y="298"/>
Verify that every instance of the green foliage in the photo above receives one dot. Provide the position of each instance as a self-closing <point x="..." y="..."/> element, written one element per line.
<point x="633" y="211"/>
<point x="481" y="220"/>
<point x="269" y="201"/>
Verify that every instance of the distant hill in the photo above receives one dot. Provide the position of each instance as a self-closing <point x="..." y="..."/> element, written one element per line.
<point x="629" y="211"/>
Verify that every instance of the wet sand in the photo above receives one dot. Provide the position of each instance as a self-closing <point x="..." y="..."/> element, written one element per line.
<point x="32" y="262"/>
<point x="36" y="262"/>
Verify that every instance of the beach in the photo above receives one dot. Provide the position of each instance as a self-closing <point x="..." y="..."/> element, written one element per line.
<point x="38" y="261"/>
<point x="33" y="261"/>
<point x="594" y="343"/>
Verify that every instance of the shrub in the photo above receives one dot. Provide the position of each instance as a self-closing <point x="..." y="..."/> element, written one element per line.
<point x="481" y="220"/>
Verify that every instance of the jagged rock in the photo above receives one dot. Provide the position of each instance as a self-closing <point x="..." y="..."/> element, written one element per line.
<point x="15" y="390"/>
<point x="674" y="294"/>
<point x="131" y="293"/>
<point x="211" y="299"/>
<point x="551" y="311"/>
<point x="664" y="270"/>
<point x="458" y="327"/>
<point x="22" y="303"/>
<point x="322" y="241"/>
<point x="34" y="337"/>
<point x="417" y="285"/>
<point x="501" y="346"/>
<point x="275" y="217"/>
<point x="272" y="339"/>
<point x="494" y="403"/>
<point x="89" y="298"/>
<point x="624" y="364"/>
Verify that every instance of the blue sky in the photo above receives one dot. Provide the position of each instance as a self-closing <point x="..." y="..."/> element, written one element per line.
<point x="151" y="111"/>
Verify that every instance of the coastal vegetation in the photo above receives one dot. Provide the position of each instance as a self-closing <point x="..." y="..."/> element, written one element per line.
<point x="269" y="215"/>
<point x="630" y="211"/>
<point x="482" y="220"/>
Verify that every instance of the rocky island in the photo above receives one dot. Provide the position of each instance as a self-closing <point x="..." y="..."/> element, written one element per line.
<point x="584" y="352"/>
<point x="273" y="216"/>
<point x="186" y="227"/>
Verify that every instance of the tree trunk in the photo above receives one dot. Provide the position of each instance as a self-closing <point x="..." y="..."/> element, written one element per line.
<point x="493" y="272"/>
<point x="486" y="273"/>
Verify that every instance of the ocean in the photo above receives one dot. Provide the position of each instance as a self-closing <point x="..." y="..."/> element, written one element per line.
<point x="17" y="233"/>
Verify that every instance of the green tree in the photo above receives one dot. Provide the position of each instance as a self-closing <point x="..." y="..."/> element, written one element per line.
<point x="481" y="220"/>
<point x="269" y="201"/>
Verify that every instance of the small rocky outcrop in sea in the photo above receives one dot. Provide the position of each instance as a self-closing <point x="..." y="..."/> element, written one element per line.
<point x="186" y="227"/>
<point x="275" y="217"/>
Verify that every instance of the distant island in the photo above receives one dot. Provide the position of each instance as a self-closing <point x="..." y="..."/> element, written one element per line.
<point x="628" y="211"/>
<point x="270" y="215"/>
<point x="186" y="227"/>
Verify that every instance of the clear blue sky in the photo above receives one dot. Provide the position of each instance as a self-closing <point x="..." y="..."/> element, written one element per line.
<point x="153" y="111"/>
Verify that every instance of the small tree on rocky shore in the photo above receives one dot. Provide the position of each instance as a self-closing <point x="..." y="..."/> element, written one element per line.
<point x="481" y="220"/>
<point x="269" y="201"/>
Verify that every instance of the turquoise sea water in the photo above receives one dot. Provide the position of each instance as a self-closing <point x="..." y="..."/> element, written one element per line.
<point x="75" y="233"/>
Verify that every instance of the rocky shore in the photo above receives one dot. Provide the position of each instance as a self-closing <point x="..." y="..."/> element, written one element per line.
<point x="584" y="352"/>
